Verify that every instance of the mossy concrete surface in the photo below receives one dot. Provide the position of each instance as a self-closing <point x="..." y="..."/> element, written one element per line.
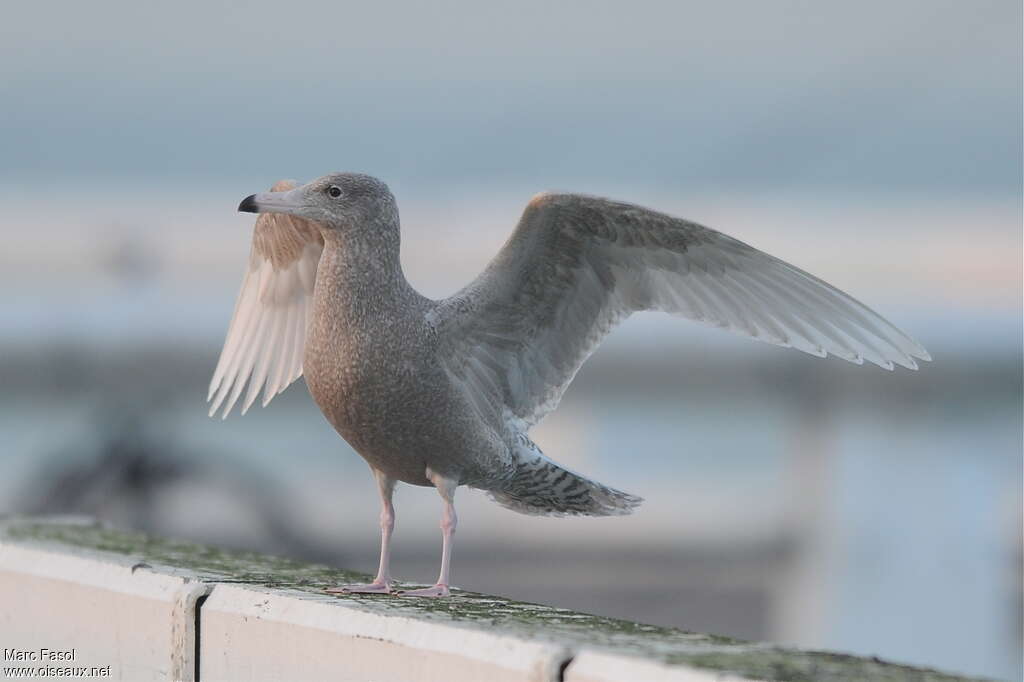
<point x="578" y="632"/>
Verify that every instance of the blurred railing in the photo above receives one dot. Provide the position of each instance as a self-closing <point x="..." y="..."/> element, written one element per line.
<point x="81" y="601"/>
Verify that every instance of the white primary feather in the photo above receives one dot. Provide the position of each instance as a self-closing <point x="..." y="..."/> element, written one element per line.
<point x="267" y="334"/>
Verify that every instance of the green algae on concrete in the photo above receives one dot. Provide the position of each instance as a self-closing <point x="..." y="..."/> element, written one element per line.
<point x="575" y="630"/>
<point x="211" y="564"/>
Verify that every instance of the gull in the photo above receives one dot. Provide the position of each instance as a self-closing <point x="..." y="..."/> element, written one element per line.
<point x="443" y="392"/>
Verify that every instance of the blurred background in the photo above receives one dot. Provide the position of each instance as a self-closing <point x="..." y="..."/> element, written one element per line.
<point x="792" y="499"/>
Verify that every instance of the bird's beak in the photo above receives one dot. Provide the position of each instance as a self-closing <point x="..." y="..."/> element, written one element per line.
<point x="290" y="202"/>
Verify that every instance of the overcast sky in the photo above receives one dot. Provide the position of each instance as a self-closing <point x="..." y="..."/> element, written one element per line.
<point x="868" y="96"/>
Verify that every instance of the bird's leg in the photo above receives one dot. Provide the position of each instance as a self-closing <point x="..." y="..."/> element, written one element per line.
<point x="382" y="583"/>
<point x="446" y="488"/>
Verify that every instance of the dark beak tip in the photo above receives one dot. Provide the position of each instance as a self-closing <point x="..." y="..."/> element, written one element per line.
<point x="248" y="205"/>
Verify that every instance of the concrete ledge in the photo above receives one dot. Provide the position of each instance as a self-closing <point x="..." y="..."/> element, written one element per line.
<point x="109" y="609"/>
<point x="596" y="666"/>
<point x="156" y="610"/>
<point x="262" y="634"/>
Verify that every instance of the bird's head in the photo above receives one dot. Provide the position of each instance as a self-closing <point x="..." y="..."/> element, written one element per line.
<point x="346" y="202"/>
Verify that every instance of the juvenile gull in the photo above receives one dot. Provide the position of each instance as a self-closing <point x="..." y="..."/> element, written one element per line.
<point x="443" y="393"/>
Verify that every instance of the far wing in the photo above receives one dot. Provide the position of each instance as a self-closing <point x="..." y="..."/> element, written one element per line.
<point x="575" y="266"/>
<point x="267" y="334"/>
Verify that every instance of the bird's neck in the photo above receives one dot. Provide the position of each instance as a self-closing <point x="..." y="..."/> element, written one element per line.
<point x="361" y="275"/>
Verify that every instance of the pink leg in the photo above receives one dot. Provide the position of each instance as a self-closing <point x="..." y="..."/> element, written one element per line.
<point x="446" y="488"/>
<point x="382" y="583"/>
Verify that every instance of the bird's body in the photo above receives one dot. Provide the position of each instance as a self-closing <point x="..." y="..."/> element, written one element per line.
<point x="375" y="357"/>
<point x="359" y="366"/>
<point x="443" y="393"/>
<point x="368" y="380"/>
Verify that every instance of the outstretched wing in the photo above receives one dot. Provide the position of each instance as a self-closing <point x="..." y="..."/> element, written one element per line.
<point x="575" y="266"/>
<point x="267" y="334"/>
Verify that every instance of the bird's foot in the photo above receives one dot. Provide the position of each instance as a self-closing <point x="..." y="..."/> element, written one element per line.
<point x="435" y="591"/>
<point x="376" y="587"/>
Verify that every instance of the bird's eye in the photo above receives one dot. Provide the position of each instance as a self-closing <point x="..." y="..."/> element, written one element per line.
<point x="334" y="191"/>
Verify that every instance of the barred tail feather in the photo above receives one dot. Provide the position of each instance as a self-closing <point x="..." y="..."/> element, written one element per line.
<point x="540" y="487"/>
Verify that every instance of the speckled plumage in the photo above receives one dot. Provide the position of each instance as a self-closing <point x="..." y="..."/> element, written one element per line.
<point x="443" y="392"/>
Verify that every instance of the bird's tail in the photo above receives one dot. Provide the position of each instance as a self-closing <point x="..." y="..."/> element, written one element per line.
<point x="541" y="487"/>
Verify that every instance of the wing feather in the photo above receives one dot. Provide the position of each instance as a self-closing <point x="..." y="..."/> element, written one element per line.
<point x="576" y="266"/>
<point x="267" y="335"/>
